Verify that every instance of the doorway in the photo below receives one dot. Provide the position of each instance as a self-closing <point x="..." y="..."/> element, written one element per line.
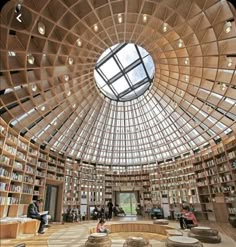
<point x="51" y="200"/>
<point x="128" y="202"/>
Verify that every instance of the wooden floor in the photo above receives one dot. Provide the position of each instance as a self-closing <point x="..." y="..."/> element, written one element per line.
<point x="43" y="240"/>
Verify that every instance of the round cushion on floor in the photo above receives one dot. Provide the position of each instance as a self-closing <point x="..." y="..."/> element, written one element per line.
<point x="179" y="241"/>
<point x="161" y="222"/>
<point x="206" y="238"/>
<point x="204" y="231"/>
<point x="136" y="242"/>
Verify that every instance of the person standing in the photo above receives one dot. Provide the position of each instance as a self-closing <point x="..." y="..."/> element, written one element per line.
<point x="110" y="208"/>
<point x="33" y="212"/>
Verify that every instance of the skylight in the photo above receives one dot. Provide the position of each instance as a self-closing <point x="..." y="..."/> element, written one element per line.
<point x="124" y="72"/>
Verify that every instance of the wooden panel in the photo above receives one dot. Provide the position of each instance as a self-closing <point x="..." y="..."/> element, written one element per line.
<point x="221" y="212"/>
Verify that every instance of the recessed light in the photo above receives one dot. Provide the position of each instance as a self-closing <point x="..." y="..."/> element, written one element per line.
<point x="186" y="78"/>
<point x="223" y="86"/>
<point x="41" y="28"/>
<point x="74" y="106"/>
<point x="43" y="108"/>
<point x="66" y="77"/>
<point x="144" y="18"/>
<point x="30" y="59"/>
<point x="95" y="27"/>
<point x="165" y="27"/>
<point x="70" y="60"/>
<point x="228" y="27"/>
<point x="180" y="43"/>
<point x="186" y="60"/>
<point x="229" y="62"/>
<point x="79" y="42"/>
<point x="69" y="93"/>
<point x="120" y="19"/>
<point x="34" y="88"/>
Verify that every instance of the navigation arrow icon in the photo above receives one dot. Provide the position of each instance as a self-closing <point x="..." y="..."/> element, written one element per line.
<point x="18" y="18"/>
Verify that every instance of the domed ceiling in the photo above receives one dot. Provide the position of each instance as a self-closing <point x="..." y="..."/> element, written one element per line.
<point x="50" y="51"/>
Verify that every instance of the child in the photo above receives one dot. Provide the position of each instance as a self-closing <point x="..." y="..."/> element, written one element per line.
<point x="101" y="228"/>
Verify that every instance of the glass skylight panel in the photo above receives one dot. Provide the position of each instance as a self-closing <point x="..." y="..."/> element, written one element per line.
<point x="148" y="62"/>
<point x="137" y="74"/>
<point x="120" y="85"/>
<point x="127" y="55"/>
<point x="110" y="68"/>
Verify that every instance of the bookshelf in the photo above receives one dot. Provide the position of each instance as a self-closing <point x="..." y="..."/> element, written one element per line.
<point x="206" y="179"/>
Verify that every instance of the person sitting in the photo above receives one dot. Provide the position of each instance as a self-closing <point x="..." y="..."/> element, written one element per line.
<point x="101" y="227"/>
<point x="139" y="209"/>
<point x="187" y="219"/>
<point x="34" y="213"/>
<point x="157" y="212"/>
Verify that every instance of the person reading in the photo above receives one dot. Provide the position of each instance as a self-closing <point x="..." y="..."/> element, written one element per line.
<point x="101" y="227"/>
<point x="187" y="218"/>
<point x="33" y="212"/>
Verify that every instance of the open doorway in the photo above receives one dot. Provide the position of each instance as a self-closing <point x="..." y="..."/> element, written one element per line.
<point x="128" y="202"/>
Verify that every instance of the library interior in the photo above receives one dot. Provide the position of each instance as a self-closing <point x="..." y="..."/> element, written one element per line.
<point x="118" y="123"/>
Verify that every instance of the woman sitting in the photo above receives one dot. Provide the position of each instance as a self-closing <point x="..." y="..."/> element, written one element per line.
<point x="101" y="227"/>
<point x="187" y="218"/>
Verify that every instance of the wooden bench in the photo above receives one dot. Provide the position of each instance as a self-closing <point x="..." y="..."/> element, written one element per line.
<point x="136" y="227"/>
<point x="13" y="223"/>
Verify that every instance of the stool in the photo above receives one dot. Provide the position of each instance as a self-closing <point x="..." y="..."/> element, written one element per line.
<point x="161" y="222"/>
<point x="136" y="242"/>
<point x="205" y="234"/>
<point x="174" y="233"/>
<point x="98" y="240"/>
<point x="181" y="241"/>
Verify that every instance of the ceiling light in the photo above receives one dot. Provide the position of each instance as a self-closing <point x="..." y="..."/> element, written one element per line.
<point x="229" y="62"/>
<point x="55" y="123"/>
<point x="69" y="93"/>
<point x="180" y="43"/>
<point x="41" y="28"/>
<point x="79" y="42"/>
<point x="70" y="60"/>
<point x="43" y="108"/>
<point x="208" y="108"/>
<point x="164" y="27"/>
<point x="30" y="59"/>
<point x="227" y="27"/>
<point x="120" y="19"/>
<point x="223" y="86"/>
<point x="74" y="106"/>
<point x="144" y="18"/>
<point x="186" y="78"/>
<point x="66" y="77"/>
<point x="186" y="60"/>
<point x="95" y="27"/>
<point x="34" y="88"/>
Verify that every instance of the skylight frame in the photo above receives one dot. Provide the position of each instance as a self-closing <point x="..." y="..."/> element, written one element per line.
<point x="106" y="83"/>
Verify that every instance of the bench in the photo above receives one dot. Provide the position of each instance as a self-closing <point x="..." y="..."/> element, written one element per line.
<point x="13" y="223"/>
<point x="136" y="227"/>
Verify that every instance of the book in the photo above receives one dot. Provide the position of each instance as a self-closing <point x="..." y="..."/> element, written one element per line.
<point x="43" y="212"/>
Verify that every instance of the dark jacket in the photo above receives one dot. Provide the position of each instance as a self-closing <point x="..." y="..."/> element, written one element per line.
<point x="33" y="211"/>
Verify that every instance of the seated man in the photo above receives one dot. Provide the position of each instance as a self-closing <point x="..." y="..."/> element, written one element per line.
<point x="187" y="218"/>
<point x="34" y="213"/>
<point x="157" y="212"/>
